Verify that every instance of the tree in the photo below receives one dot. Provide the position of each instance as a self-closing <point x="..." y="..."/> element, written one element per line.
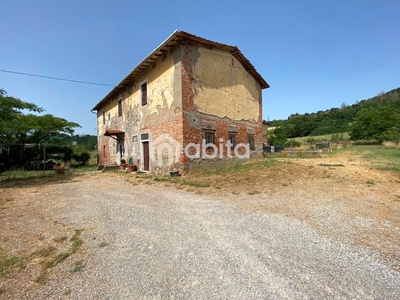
<point x="10" y="109"/>
<point x="392" y="135"/>
<point x="372" y="122"/>
<point x="19" y="128"/>
<point x="277" y="139"/>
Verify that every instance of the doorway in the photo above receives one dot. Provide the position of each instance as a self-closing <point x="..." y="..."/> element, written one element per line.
<point x="146" y="156"/>
<point x="120" y="149"/>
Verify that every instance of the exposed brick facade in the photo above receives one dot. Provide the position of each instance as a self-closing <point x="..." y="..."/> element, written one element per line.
<point x="180" y="89"/>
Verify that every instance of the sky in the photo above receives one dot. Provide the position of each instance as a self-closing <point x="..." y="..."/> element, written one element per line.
<point x="315" y="54"/>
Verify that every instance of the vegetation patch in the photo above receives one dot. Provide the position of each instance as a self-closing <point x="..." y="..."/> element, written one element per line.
<point x="9" y="262"/>
<point x="44" y="252"/>
<point x="372" y="119"/>
<point x="21" y="174"/>
<point x="196" y="184"/>
<point x="76" y="243"/>
<point x="79" y="266"/>
<point x="103" y="244"/>
<point x="60" y="239"/>
<point x="375" y="156"/>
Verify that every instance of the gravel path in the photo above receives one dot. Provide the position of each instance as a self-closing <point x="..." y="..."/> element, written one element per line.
<point x="153" y="242"/>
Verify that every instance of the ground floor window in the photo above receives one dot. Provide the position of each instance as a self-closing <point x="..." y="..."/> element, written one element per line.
<point x="232" y="138"/>
<point x="208" y="136"/>
<point x="251" y="141"/>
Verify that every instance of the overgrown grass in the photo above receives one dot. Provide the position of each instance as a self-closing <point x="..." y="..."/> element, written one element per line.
<point x="9" y="262"/>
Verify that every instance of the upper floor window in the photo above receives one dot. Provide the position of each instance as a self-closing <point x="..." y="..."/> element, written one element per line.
<point x="143" y="94"/>
<point x="120" y="108"/>
<point x="104" y="117"/>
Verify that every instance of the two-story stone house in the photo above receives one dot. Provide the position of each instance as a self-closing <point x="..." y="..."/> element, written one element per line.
<point x="187" y="93"/>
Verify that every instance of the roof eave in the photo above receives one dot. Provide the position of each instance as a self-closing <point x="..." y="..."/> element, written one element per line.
<point x="155" y="54"/>
<point x="126" y="78"/>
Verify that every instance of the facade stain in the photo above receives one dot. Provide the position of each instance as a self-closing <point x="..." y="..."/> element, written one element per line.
<point x="194" y="88"/>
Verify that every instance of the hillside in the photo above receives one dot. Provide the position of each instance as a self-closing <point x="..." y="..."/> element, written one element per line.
<point x="353" y="118"/>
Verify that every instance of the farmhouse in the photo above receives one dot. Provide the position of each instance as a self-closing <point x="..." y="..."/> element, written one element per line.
<point x="189" y="99"/>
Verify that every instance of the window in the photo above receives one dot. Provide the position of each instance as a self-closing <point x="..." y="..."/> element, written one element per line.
<point x="104" y="117"/>
<point x="208" y="135"/>
<point x="251" y="141"/>
<point x="104" y="151"/>
<point x="232" y="138"/>
<point x="134" y="138"/>
<point x="143" y="90"/>
<point x="144" y="136"/>
<point x="120" y="108"/>
<point x="109" y="116"/>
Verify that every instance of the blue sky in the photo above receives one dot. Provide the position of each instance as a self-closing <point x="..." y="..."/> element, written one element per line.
<point x="314" y="54"/>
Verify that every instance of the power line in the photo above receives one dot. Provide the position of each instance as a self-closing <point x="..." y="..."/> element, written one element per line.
<point x="56" y="78"/>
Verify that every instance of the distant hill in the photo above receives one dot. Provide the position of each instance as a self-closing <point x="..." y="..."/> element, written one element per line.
<point x="337" y="120"/>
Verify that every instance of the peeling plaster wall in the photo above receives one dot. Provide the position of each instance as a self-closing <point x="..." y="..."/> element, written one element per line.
<point x="218" y="95"/>
<point x="161" y="115"/>
<point x="223" y="88"/>
<point x="189" y="89"/>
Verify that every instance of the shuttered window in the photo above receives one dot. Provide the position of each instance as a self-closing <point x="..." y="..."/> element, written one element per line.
<point x="143" y="89"/>
<point x="251" y="141"/>
<point x="120" y="108"/>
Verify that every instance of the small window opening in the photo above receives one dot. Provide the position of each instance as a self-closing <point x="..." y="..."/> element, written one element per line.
<point x="143" y="89"/>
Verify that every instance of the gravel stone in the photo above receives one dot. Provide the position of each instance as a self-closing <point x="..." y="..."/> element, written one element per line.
<point x="154" y="242"/>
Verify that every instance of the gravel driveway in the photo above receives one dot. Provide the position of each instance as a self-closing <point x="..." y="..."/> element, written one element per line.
<point x="154" y="242"/>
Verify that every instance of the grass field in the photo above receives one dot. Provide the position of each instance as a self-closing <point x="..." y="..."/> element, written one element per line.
<point x="376" y="156"/>
<point x="326" y="137"/>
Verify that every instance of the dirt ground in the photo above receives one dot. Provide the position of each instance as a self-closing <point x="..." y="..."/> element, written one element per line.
<point x="342" y="197"/>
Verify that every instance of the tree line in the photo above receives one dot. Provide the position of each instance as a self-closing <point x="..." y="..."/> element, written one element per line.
<point x="25" y="131"/>
<point x="377" y="118"/>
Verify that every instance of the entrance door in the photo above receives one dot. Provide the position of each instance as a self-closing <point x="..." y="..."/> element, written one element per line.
<point x="146" y="156"/>
<point x="120" y="149"/>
